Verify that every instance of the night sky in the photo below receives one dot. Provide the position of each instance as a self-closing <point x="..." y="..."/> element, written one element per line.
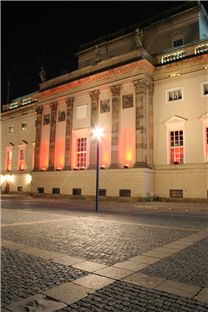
<point x="49" y="33"/>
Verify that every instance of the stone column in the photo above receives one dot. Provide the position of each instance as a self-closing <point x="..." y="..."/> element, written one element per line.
<point x="39" y="111"/>
<point x="52" y="135"/>
<point x="115" y="91"/>
<point x="141" y="87"/>
<point x="68" y="137"/>
<point x="151" y="91"/>
<point x="94" y="96"/>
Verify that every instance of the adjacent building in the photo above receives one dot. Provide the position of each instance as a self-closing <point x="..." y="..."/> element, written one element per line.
<point x="147" y="88"/>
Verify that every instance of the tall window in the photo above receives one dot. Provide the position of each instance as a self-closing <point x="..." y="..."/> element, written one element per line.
<point x="21" y="159"/>
<point x="81" y="152"/>
<point x="205" y="88"/>
<point x="176" y="147"/>
<point x="207" y="144"/>
<point x="8" y="160"/>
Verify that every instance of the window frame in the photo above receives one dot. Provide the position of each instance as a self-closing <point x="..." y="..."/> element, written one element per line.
<point x="202" y="88"/>
<point x="175" y="146"/>
<point x="8" y="160"/>
<point x="174" y="90"/>
<point x="26" y="125"/>
<point x="11" y="127"/>
<point x="81" y="164"/>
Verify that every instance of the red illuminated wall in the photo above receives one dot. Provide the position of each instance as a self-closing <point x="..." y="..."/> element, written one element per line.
<point x="105" y="155"/>
<point x="44" y="154"/>
<point x="127" y="147"/>
<point x="60" y="153"/>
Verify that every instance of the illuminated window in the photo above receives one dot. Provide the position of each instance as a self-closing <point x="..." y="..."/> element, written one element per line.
<point x="11" y="129"/>
<point x="24" y="126"/>
<point x="174" y="95"/>
<point x="81" y="152"/>
<point x="176" y="147"/>
<point x="8" y="160"/>
<point x="205" y="89"/>
<point x="207" y="144"/>
<point x="21" y="159"/>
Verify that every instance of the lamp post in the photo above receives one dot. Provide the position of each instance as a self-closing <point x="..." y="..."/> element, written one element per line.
<point x="98" y="133"/>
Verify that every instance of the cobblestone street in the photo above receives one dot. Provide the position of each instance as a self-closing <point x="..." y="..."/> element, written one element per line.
<point x="59" y="255"/>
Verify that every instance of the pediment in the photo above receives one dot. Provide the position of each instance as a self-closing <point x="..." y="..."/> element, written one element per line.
<point x="175" y="119"/>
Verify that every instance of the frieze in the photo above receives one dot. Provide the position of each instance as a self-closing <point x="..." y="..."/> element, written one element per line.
<point x="127" y="101"/>
<point x="141" y="64"/>
<point x="105" y="106"/>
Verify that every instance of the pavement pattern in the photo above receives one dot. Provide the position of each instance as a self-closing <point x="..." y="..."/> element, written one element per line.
<point x="59" y="259"/>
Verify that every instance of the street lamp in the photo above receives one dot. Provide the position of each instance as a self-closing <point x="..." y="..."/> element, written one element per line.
<point x="97" y="133"/>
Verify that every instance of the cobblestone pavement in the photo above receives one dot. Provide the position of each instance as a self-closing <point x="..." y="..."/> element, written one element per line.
<point x="121" y="296"/>
<point x="188" y="266"/>
<point x="113" y="237"/>
<point x="23" y="275"/>
<point x="94" y="240"/>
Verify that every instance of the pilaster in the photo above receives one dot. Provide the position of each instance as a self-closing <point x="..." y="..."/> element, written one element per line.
<point x="115" y="91"/>
<point x="53" y="107"/>
<point x="68" y="138"/>
<point x="39" y="111"/>
<point x="94" y="96"/>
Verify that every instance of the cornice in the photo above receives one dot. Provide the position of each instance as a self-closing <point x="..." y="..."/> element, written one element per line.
<point x="114" y="72"/>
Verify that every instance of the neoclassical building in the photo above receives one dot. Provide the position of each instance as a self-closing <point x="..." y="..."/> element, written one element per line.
<point x="147" y="88"/>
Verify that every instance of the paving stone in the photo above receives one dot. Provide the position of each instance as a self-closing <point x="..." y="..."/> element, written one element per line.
<point x="67" y="260"/>
<point x="179" y="289"/>
<point x="89" y="266"/>
<point x="144" y="280"/>
<point x="131" y="265"/>
<point x="38" y="303"/>
<point x="114" y="272"/>
<point x="68" y="292"/>
<point x="202" y="295"/>
<point x="144" y="259"/>
<point x="93" y="281"/>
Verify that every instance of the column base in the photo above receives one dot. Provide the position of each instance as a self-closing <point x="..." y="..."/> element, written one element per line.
<point x="67" y="168"/>
<point x="50" y="169"/>
<point x="114" y="166"/>
<point x="141" y="165"/>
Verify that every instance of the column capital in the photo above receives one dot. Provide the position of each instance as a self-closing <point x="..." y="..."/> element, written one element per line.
<point x="70" y="102"/>
<point x="53" y="106"/>
<point x="115" y="90"/>
<point x="39" y="110"/>
<point x="94" y="95"/>
<point x="141" y="85"/>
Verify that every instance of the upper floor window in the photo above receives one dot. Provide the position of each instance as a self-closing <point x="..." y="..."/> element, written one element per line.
<point x="205" y="88"/>
<point x="176" y="147"/>
<point x="11" y="129"/>
<point x="177" y="42"/>
<point x="174" y="95"/>
<point x="23" y="126"/>
<point x="207" y="144"/>
<point x="8" y="160"/>
<point x="81" y="159"/>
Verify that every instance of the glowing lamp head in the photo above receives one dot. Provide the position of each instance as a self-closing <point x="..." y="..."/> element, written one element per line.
<point x="97" y="133"/>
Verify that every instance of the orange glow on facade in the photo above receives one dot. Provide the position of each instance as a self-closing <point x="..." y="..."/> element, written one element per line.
<point x="21" y="160"/>
<point x="44" y="154"/>
<point x="60" y="154"/>
<point x="128" y="147"/>
<point x="8" y="160"/>
<point x="105" y="152"/>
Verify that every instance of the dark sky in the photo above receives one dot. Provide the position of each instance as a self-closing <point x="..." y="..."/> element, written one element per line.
<point x="49" y="33"/>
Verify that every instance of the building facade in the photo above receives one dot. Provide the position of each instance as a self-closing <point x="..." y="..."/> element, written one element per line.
<point x="147" y="88"/>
